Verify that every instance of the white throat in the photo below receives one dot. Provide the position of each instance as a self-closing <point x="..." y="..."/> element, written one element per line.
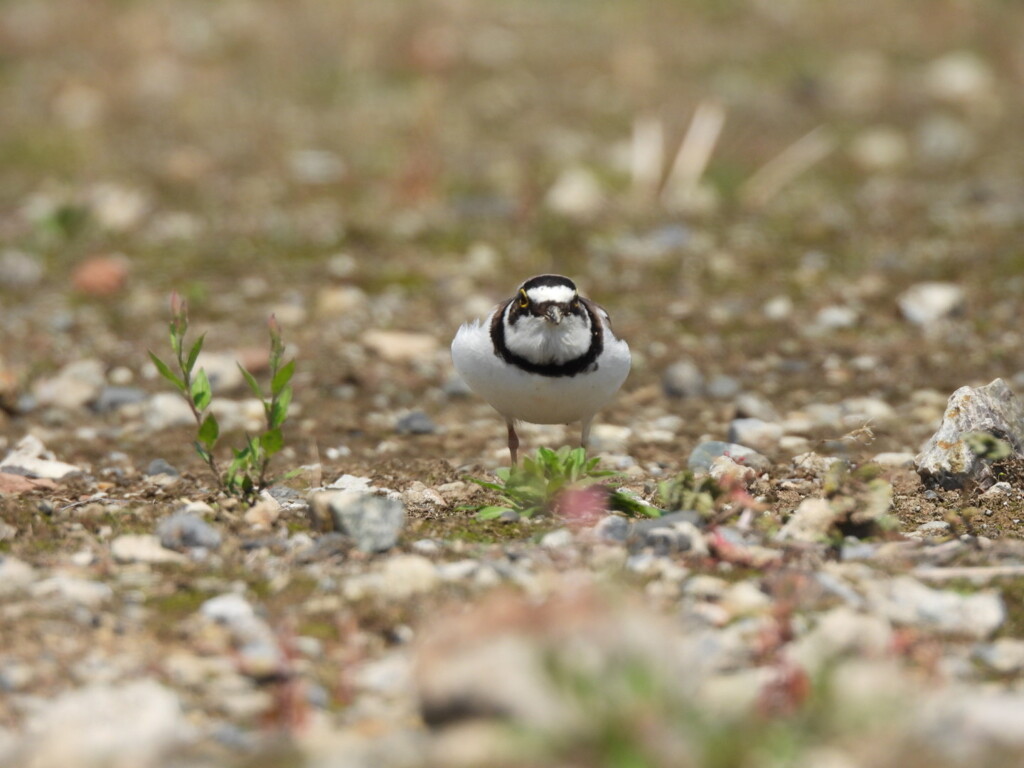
<point x="541" y="341"/>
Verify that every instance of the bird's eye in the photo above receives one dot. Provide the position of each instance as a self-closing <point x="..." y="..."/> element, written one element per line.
<point x="524" y="300"/>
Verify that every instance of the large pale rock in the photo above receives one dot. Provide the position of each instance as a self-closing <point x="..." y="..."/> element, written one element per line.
<point x="948" y="459"/>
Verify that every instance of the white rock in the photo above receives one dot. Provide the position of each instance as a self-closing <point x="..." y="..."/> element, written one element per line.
<point x="401" y="346"/>
<point x="925" y="303"/>
<point x="406" y="575"/>
<point x="91" y="594"/>
<point x="228" y="608"/>
<point x="880" y="149"/>
<point x="907" y="601"/>
<point x="576" y="192"/>
<point x="809" y="522"/>
<point x="901" y="459"/>
<point x="557" y="539"/>
<point x="74" y="385"/>
<point x="15" y="575"/>
<point x="165" y="410"/>
<point x="1005" y="655"/>
<point x="143" y="548"/>
<point x="609" y="438"/>
<point x="103" y="726"/>
<point x="836" y="317"/>
<point x="744" y="599"/>
<point x="858" y="411"/>
<point x="959" y="77"/>
<point x="31" y="456"/>
<point x="762" y="436"/>
<point x="840" y="632"/>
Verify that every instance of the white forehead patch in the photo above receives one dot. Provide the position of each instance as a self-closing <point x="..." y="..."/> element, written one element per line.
<point x="562" y="294"/>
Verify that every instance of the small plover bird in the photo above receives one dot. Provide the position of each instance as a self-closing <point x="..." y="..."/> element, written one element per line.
<point x="547" y="356"/>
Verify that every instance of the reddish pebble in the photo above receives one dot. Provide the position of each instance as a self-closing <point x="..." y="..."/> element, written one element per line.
<point x="101" y="275"/>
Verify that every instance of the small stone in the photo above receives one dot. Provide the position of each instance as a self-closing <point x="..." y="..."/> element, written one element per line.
<point x="19" y="269"/>
<point x="901" y="460"/>
<point x="751" y="405"/>
<point x="229" y="608"/>
<point x="557" y="539"/>
<point x="415" y="423"/>
<point x="576" y="193"/>
<point x="73" y="386"/>
<point x="725" y="468"/>
<point x="810" y="522"/>
<point x="934" y="527"/>
<point x="745" y="599"/>
<point x="112" y="398"/>
<point x="948" y="459"/>
<point x="90" y="594"/>
<point x="907" y="601"/>
<point x="759" y="435"/>
<point x="961" y="78"/>
<point x="183" y="531"/>
<point x="609" y="438"/>
<point x="702" y="457"/>
<point x="339" y="301"/>
<point x="401" y="346"/>
<point x="407" y="575"/>
<point x="86" y="727"/>
<point x="101" y="276"/>
<point x="316" y="166"/>
<point x="509" y="516"/>
<point x="165" y="410"/>
<point x="683" y="379"/>
<point x="613" y="529"/>
<point x="943" y="140"/>
<point x="142" y="548"/>
<point x="15" y="575"/>
<point x="880" y="149"/>
<point x="419" y="494"/>
<point x="1005" y="655"/>
<point x="161" y="467"/>
<point x="28" y="459"/>
<point x="373" y="521"/>
<point x="722" y="387"/>
<point x="836" y="317"/>
<point x="924" y="304"/>
<point x="999" y="489"/>
<point x="264" y="513"/>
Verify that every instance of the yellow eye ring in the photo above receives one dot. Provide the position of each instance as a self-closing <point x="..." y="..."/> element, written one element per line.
<point x="524" y="300"/>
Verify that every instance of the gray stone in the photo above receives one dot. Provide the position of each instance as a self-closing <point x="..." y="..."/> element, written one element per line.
<point x="704" y="454"/>
<point x="907" y="601"/>
<point x="74" y="385"/>
<point x="758" y="434"/>
<point x="752" y="405"/>
<point x="161" y="467"/>
<point x="185" y="531"/>
<point x="723" y="387"/>
<point x="948" y="459"/>
<point x="613" y="528"/>
<point x="19" y="269"/>
<point x="1005" y="655"/>
<point x="112" y="398"/>
<point x="374" y="522"/>
<point x="683" y="379"/>
<point x="415" y="423"/>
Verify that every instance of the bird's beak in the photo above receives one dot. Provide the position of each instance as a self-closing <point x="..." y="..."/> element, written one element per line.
<point x="554" y="314"/>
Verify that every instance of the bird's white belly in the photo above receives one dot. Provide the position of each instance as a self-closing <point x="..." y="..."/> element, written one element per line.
<point x="516" y="394"/>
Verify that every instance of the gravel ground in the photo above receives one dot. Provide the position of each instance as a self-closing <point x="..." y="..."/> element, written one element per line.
<point x="834" y="250"/>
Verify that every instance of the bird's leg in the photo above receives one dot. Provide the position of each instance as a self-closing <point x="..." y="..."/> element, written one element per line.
<point x="585" y="432"/>
<point x="513" y="443"/>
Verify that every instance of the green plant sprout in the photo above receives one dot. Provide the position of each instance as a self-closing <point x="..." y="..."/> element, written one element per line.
<point x="539" y="484"/>
<point x="247" y="473"/>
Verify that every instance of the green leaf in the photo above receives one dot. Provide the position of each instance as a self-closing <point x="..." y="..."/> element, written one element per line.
<point x="282" y="377"/>
<point x="193" y="355"/>
<point x="209" y="431"/>
<point x="177" y="334"/>
<point x="201" y="392"/>
<point x="279" y="409"/>
<point x="272" y="441"/>
<point x="167" y="373"/>
<point x="491" y="513"/>
<point x="251" y="381"/>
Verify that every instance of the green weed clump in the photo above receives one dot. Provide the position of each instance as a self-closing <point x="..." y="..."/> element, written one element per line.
<point x="247" y="473"/>
<point x="544" y="481"/>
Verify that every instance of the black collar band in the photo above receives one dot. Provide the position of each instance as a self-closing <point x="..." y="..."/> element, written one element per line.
<point x="585" y="362"/>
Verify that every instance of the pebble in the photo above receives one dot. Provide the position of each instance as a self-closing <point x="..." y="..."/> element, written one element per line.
<point x="924" y="304"/>
<point x="88" y="727"/>
<point x="752" y="405"/>
<point x="609" y="438"/>
<point x="73" y="386"/>
<point x="835" y="317"/>
<point x="29" y="458"/>
<point x="1004" y="655"/>
<point x="901" y="460"/>
<point x="161" y="467"/>
<point x="613" y="529"/>
<point x="142" y="548"/>
<point x="415" y="423"/>
<point x="722" y="387"/>
<point x="401" y="346"/>
<point x="407" y="575"/>
<point x="810" y="522"/>
<point x="760" y="435"/>
<point x="683" y="379"/>
<point x="229" y="608"/>
<point x="557" y="539"/>
<point x="907" y="601"/>
<point x="19" y="269"/>
<point x="15" y="575"/>
<point x="374" y="522"/>
<point x="89" y="594"/>
<point x="101" y="276"/>
<point x="183" y="531"/>
<point x="576" y="193"/>
<point x="112" y="398"/>
<point x="702" y="457"/>
<point x="165" y="410"/>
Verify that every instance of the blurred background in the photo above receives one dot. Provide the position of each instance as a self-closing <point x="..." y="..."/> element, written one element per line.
<point x="752" y="185"/>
